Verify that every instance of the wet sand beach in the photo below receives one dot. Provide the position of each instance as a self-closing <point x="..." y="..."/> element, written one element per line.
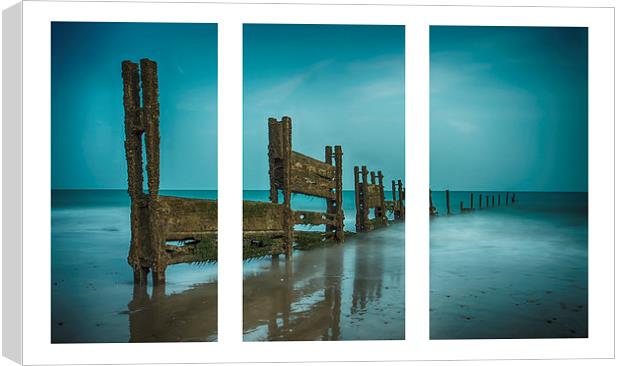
<point x="353" y="291"/>
<point x="517" y="271"/>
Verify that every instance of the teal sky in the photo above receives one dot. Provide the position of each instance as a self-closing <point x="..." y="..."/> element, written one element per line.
<point x="87" y="102"/>
<point x="509" y="108"/>
<point x="340" y="84"/>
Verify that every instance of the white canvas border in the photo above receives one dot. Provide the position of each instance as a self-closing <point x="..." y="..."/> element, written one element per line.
<point x="36" y="176"/>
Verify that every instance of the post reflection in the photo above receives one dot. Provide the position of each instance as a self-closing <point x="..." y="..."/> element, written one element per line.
<point x="339" y="292"/>
<point x="295" y="299"/>
<point x="187" y="316"/>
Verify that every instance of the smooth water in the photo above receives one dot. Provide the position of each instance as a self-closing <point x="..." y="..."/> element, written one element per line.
<point x="93" y="297"/>
<point x="350" y="291"/>
<point x="514" y="271"/>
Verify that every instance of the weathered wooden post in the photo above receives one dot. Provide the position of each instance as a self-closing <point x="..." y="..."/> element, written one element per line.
<point x="506" y="198"/>
<point x="366" y="224"/>
<point x="135" y="179"/>
<point x="150" y="118"/>
<point x="373" y="179"/>
<point x="480" y="201"/>
<point x="461" y="206"/>
<point x="358" y="211"/>
<point x="330" y="202"/>
<point x="401" y="199"/>
<point x="493" y="200"/>
<point x="499" y="199"/>
<point x="396" y="208"/>
<point x="286" y="178"/>
<point x="274" y="152"/>
<point x="487" y="201"/>
<point x="384" y="219"/>
<point x="471" y="201"/>
<point x="338" y="208"/>
<point x="513" y="198"/>
<point x="448" y="200"/>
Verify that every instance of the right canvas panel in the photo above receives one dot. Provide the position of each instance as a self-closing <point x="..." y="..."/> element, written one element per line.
<point x="508" y="182"/>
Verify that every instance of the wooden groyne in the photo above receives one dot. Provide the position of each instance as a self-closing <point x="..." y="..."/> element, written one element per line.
<point x="269" y="227"/>
<point x="271" y="224"/>
<point x="370" y="196"/>
<point x="166" y="230"/>
<point x="157" y="221"/>
<point x="509" y="197"/>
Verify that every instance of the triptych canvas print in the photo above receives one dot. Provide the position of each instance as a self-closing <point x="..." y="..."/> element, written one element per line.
<point x="134" y="175"/>
<point x="230" y="182"/>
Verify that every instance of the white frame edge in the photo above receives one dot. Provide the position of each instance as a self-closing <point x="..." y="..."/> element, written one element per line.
<point x="12" y="95"/>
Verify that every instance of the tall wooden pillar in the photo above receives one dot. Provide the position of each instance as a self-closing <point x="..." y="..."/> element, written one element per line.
<point x="401" y="199"/>
<point x="286" y="181"/>
<point x="338" y="209"/>
<point x="274" y="153"/>
<point x="358" y="208"/>
<point x="366" y="224"/>
<point x="150" y="117"/>
<point x="384" y="219"/>
<point x="448" y="201"/>
<point x="331" y="203"/>
<point x="150" y="105"/>
<point x="135" y="179"/>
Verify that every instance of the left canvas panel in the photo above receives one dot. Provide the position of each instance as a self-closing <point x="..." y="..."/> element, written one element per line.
<point x="134" y="182"/>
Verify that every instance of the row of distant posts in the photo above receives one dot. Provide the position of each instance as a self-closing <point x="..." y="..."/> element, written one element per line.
<point x="509" y="198"/>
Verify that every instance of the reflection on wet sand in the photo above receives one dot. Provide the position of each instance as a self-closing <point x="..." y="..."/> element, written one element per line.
<point x="190" y="315"/>
<point x="350" y="291"/>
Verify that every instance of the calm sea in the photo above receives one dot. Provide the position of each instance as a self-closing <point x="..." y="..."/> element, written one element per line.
<point x="92" y="284"/>
<point x="514" y="271"/>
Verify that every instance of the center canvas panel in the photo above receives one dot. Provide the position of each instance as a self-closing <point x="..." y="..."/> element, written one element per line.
<point x="323" y="178"/>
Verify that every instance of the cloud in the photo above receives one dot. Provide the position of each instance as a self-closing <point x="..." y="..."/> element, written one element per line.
<point x="388" y="63"/>
<point x="282" y="89"/>
<point x="382" y="88"/>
